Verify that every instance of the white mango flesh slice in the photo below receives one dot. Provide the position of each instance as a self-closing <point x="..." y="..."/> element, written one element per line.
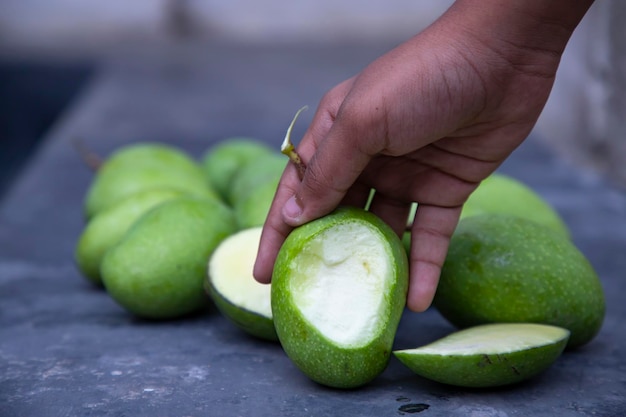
<point x="488" y="355"/>
<point x="230" y="272"/>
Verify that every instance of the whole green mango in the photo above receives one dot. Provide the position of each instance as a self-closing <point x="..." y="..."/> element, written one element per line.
<point x="157" y="270"/>
<point x="503" y="268"/>
<point x="143" y="166"/>
<point x="108" y="227"/>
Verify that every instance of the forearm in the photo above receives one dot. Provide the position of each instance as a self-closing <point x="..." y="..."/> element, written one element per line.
<point x="525" y="32"/>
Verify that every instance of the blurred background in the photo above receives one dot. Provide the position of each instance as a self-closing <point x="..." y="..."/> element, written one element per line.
<point x="51" y="49"/>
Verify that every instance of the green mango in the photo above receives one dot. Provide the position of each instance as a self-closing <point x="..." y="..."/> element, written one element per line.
<point x="253" y="209"/>
<point x="229" y="282"/>
<point x="503" y="268"/>
<point x="157" y="270"/>
<point x="221" y="162"/>
<point x="489" y="355"/>
<point x="338" y="291"/>
<point x="500" y="193"/>
<point x="265" y="168"/>
<point x="109" y="226"/>
<point x="143" y="166"/>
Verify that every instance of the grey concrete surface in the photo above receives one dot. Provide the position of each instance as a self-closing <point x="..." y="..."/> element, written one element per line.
<point x="66" y="349"/>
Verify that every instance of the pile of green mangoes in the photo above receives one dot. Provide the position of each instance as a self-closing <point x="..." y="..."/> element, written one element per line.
<point x="154" y="215"/>
<point x="166" y="235"/>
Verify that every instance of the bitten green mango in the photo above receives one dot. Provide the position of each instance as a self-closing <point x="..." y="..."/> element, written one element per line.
<point x="338" y="290"/>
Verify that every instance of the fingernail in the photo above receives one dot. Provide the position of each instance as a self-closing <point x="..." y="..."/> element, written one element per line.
<point x="292" y="209"/>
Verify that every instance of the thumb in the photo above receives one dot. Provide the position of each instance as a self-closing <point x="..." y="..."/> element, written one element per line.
<point x="334" y="167"/>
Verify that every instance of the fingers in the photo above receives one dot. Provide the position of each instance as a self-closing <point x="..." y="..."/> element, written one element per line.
<point x="275" y="229"/>
<point x="430" y="237"/>
<point x="330" y="173"/>
<point x="394" y="212"/>
<point x="332" y="148"/>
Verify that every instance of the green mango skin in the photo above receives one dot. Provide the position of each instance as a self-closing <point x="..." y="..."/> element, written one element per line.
<point x="315" y="355"/>
<point x="221" y="162"/>
<point x="503" y="268"/>
<point x="266" y="168"/>
<point x="252" y="210"/>
<point x="157" y="270"/>
<point x="143" y="166"/>
<point x="250" y="322"/>
<point x="484" y="370"/>
<point x="235" y="250"/>
<point x="502" y="194"/>
<point x="108" y="227"/>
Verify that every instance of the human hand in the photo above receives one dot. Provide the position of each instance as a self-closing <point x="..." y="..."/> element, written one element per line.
<point x="425" y="123"/>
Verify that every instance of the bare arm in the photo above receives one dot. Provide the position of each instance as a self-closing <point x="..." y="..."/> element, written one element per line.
<point x="426" y="122"/>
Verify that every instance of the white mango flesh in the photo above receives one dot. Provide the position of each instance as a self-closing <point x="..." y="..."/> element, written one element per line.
<point x="230" y="270"/>
<point x="339" y="288"/>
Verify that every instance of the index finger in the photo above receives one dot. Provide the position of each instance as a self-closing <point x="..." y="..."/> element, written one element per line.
<point x="275" y="230"/>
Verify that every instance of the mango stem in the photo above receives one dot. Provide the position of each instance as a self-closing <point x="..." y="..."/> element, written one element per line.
<point x="288" y="149"/>
<point x="89" y="157"/>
